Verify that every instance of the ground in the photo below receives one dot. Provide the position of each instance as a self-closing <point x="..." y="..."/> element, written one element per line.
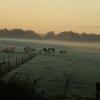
<point x="80" y="66"/>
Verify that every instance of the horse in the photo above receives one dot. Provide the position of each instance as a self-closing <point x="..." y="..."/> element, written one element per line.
<point x="63" y="52"/>
<point x="43" y="51"/>
<point x="51" y="50"/>
<point x="27" y="49"/>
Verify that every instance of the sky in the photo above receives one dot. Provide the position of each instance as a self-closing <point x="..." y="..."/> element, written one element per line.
<point x="51" y="15"/>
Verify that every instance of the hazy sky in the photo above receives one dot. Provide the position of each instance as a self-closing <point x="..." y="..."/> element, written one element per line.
<point x="47" y="15"/>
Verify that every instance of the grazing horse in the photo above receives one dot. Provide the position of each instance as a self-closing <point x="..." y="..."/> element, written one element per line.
<point x="63" y="52"/>
<point x="27" y="49"/>
<point x="34" y="50"/>
<point x="51" y="50"/>
<point x="43" y="51"/>
<point x="47" y="51"/>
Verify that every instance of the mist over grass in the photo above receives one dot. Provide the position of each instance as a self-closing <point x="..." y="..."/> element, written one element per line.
<point x="81" y="61"/>
<point x="78" y="46"/>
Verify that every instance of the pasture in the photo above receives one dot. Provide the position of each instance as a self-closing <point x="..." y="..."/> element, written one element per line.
<point x="80" y="67"/>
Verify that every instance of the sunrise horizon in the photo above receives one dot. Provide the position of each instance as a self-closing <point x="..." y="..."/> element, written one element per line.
<point x="51" y="15"/>
<point x="52" y="30"/>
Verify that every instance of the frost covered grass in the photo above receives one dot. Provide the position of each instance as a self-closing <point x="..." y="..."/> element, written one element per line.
<point x="81" y="67"/>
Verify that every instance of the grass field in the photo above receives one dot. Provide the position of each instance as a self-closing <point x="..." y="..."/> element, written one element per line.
<point x="81" y="66"/>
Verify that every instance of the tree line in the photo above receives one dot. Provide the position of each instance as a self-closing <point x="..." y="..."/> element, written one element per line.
<point x="65" y="35"/>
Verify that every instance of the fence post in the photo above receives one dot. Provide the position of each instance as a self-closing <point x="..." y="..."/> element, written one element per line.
<point x="3" y="59"/>
<point x="8" y="62"/>
<point x="16" y="61"/>
<point x="0" y="70"/>
<point x="22" y="59"/>
<point x="12" y="55"/>
<point x="27" y="57"/>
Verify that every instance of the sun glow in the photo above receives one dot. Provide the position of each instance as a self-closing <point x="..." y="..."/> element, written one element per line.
<point x="47" y="15"/>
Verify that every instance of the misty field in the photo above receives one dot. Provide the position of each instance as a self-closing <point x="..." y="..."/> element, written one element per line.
<point x="80" y="66"/>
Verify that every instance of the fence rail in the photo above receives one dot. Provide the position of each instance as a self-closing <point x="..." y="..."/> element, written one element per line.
<point x="13" y="62"/>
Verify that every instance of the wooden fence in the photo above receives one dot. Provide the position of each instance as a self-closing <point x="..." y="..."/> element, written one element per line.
<point x="14" y="61"/>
